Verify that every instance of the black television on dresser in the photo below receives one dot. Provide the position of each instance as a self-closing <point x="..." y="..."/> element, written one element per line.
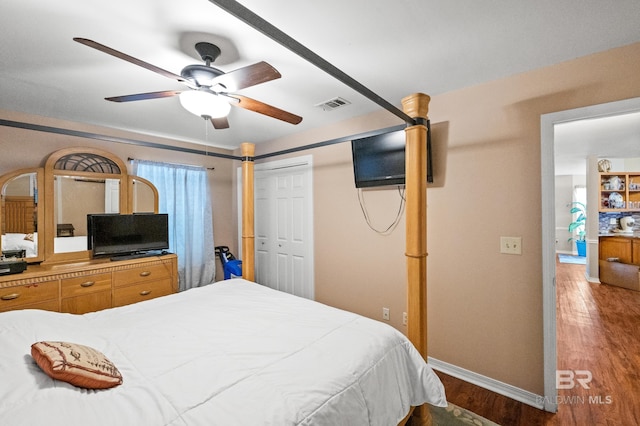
<point x="136" y="234"/>
<point x="378" y="160"/>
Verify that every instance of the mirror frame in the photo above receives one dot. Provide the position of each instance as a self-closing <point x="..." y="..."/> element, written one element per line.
<point x="40" y="214"/>
<point x="50" y="172"/>
<point x="45" y="176"/>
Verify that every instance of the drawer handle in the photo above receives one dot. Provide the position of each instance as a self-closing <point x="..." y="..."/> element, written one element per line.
<point x="145" y="273"/>
<point x="11" y="296"/>
<point x="145" y="292"/>
<point x="87" y="284"/>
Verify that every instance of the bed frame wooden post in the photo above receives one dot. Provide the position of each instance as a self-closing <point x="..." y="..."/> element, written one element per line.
<point x="248" y="238"/>
<point x="417" y="106"/>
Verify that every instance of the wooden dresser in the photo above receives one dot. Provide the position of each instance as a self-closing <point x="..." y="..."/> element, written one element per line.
<point x="89" y="286"/>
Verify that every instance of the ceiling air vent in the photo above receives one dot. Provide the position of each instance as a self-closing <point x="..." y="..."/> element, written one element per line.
<point x="332" y="104"/>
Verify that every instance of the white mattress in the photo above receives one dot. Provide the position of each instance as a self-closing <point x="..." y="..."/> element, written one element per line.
<point x="17" y="242"/>
<point x="231" y="353"/>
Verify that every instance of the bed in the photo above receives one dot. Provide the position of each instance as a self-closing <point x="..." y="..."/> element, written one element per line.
<point x="236" y="353"/>
<point x="415" y="109"/>
<point x="230" y="353"/>
<point x="18" y="241"/>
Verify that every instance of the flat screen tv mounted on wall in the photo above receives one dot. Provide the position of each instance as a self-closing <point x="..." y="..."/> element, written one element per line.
<point x="378" y="160"/>
<point x="127" y="234"/>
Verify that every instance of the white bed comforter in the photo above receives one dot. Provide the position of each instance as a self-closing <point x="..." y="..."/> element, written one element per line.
<point x="231" y="353"/>
<point x="14" y="241"/>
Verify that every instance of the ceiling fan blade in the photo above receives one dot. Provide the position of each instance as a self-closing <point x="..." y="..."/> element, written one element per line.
<point x="262" y="108"/>
<point x="250" y="75"/>
<point x="144" y="96"/>
<point x="124" y="56"/>
<point x="220" y="123"/>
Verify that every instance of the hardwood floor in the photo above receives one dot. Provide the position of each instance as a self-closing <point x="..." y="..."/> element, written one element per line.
<point x="598" y="330"/>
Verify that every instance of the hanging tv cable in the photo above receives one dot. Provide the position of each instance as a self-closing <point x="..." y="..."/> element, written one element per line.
<point x="395" y="222"/>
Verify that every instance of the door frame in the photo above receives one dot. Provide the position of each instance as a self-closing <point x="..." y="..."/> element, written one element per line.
<point x="547" y="123"/>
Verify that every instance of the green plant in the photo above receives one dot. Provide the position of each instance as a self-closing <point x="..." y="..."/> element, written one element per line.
<point x="578" y="224"/>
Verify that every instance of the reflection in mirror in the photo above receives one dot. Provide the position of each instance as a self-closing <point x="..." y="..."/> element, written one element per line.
<point x="144" y="196"/>
<point x="19" y="198"/>
<point x="74" y="198"/>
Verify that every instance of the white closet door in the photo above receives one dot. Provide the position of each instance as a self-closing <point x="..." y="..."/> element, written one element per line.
<point x="284" y="227"/>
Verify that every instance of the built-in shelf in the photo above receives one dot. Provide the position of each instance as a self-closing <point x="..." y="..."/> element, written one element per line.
<point x="619" y="192"/>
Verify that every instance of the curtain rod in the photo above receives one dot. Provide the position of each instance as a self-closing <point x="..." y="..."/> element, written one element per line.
<point x="175" y="164"/>
<point x="250" y="18"/>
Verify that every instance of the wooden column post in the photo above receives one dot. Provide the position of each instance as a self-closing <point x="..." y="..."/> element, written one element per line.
<point x="248" y="237"/>
<point x="416" y="106"/>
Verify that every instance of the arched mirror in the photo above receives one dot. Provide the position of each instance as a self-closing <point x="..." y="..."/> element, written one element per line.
<point x="43" y="211"/>
<point x="21" y="217"/>
<point x="80" y="181"/>
<point x="73" y="198"/>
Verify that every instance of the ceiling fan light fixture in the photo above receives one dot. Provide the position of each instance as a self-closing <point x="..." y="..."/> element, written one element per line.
<point x="204" y="104"/>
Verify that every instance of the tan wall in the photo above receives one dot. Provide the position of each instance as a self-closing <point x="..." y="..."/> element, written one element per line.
<point x="21" y="148"/>
<point x="485" y="308"/>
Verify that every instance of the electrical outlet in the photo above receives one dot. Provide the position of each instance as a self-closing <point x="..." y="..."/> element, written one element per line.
<point x="385" y="314"/>
<point x="511" y="245"/>
<point x="405" y="318"/>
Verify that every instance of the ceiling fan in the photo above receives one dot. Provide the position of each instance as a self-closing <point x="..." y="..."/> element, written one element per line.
<point x="210" y="94"/>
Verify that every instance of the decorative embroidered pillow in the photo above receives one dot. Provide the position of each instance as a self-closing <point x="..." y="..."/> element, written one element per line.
<point x="79" y="365"/>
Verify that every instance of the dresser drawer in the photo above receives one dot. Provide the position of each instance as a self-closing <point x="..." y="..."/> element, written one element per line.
<point x="85" y="284"/>
<point x="90" y="302"/>
<point x="142" y="274"/>
<point x="141" y="291"/>
<point x="49" y="305"/>
<point x="19" y="296"/>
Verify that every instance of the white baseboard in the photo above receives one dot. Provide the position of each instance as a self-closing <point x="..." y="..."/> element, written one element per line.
<point x="485" y="382"/>
<point x="593" y="280"/>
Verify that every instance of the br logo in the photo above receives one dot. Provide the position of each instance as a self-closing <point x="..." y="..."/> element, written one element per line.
<point x="568" y="379"/>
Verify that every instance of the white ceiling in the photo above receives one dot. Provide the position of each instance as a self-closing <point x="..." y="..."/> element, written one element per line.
<point x="612" y="137"/>
<point x="393" y="47"/>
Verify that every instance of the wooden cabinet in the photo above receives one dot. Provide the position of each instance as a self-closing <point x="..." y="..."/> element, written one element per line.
<point x="89" y="286"/>
<point x="635" y="251"/>
<point x="617" y="249"/>
<point x="619" y="191"/>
